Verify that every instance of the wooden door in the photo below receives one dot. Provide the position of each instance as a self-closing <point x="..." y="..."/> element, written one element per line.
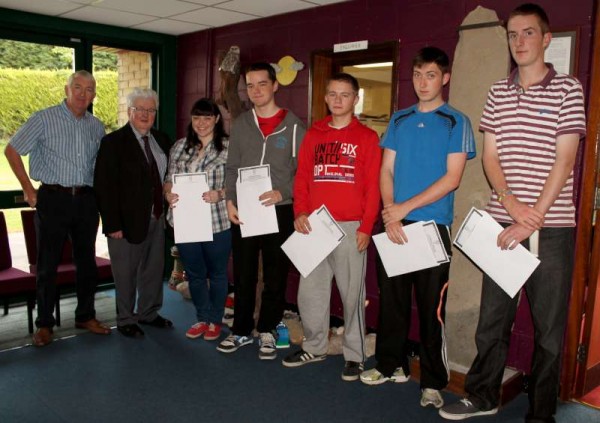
<point x="581" y="361"/>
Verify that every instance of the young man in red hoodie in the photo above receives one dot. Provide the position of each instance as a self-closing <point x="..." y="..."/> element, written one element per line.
<point x="338" y="165"/>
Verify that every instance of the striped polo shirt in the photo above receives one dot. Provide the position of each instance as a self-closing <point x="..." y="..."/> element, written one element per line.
<point x="526" y="124"/>
<point x="62" y="148"/>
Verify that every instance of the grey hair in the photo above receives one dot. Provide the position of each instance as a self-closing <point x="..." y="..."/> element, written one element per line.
<point x="144" y="93"/>
<point x="80" y="73"/>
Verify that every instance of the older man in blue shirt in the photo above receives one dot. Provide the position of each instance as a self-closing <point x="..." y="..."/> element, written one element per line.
<point x="62" y="142"/>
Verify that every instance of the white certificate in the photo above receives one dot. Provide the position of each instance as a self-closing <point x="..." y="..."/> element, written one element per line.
<point x="256" y="218"/>
<point x="192" y="220"/>
<point x="307" y="251"/>
<point x="423" y="250"/>
<point x="477" y="238"/>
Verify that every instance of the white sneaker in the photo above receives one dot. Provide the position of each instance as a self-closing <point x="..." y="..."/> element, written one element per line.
<point x="233" y="343"/>
<point x="375" y="377"/>
<point x="431" y="397"/>
<point x="267" y="350"/>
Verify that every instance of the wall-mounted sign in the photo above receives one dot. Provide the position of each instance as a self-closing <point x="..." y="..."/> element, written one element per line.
<point x="354" y="45"/>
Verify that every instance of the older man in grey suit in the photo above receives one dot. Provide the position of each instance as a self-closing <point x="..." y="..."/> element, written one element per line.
<point x="130" y="169"/>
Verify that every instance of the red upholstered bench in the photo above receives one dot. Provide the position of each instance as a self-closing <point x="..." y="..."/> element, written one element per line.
<point x="65" y="274"/>
<point x="14" y="282"/>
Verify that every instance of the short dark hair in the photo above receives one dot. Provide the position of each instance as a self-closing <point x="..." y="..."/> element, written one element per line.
<point x="206" y="107"/>
<point x="528" y="9"/>
<point x="345" y="77"/>
<point x="262" y="66"/>
<point x="432" y="55"/>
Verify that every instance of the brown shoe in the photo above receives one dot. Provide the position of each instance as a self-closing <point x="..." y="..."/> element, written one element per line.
<point x="42" y="337"/>
<point x="93" y="326"/>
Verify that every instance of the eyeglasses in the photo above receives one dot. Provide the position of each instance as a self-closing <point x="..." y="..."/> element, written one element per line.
<point x="141" y="111"/>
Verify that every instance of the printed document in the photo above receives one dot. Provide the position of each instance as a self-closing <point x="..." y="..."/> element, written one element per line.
<point x="423" y="250"/>
<point x="308" y="251"/>
<point x="192" y="219"/>
<point x="256" y="218"/>
<point x="477" y="238"/>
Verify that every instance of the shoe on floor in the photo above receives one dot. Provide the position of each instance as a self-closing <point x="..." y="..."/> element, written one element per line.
<point x="375" y="377"/>
<point x="228" y="317"/>
<point x="197" y="330"/>
<point x="42" y="337"/>
<point x="158" y="322"/>
<point x="94" y="326"/>
<point x="352" y="371"/>
<point x="464" y="409"/>
<point x="131" y="331"/>
<point x="233" y="343"/>
<point x="301" y="357"/>
<point x="431" y="397"/>
<point x="213" y="332"/>
<point x="267" y="349"/>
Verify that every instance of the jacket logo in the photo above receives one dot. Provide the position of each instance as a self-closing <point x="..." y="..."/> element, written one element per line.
<point x="281" y="142"/>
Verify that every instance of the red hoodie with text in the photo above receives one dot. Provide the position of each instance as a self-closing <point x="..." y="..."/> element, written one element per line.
<point x="339" y="168"/>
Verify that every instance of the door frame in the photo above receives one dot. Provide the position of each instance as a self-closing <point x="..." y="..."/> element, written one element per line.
<point x="324" y="63"/>
<point x="575" y="378"/>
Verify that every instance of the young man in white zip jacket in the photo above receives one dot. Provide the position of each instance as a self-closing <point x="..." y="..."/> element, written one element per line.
<point x="267" y="134"/>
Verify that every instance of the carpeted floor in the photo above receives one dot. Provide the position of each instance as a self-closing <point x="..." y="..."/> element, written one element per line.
<point x="167" y="377"/>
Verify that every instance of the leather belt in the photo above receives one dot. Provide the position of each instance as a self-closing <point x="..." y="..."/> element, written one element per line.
<point x="69" y="190"/>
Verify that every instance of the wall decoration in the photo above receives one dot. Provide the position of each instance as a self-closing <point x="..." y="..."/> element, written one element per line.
<point x="286" y="69"/>
<point x="561" y="52"/>
<point x="229" y="71"/>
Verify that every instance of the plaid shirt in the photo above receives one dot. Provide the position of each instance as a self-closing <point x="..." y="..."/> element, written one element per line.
<point x="213" y="163"/>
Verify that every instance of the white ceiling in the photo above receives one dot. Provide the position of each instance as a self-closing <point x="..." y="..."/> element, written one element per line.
<point x="173" y="17"/>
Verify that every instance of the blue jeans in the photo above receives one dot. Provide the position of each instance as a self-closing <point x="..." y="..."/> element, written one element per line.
<point x="205" y="264"/>
<point x="548" y="294"/>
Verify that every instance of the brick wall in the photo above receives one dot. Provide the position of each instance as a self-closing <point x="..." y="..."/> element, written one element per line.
<point x="134" y="71"/>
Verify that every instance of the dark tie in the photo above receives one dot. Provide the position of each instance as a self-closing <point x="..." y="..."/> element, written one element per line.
<point x="156" y="182"/>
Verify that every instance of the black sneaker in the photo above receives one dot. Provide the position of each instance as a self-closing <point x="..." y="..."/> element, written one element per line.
<point x="464" y="409"/>
<point x="352" y="371"/>
<point x="301" y="357"/>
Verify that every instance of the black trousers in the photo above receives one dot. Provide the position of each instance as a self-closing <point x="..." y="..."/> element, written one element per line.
<point x="58" y="215"/>
<point x="395" y="305"/>
<point x="548" y="294"/>
<point x="275" y="272"/>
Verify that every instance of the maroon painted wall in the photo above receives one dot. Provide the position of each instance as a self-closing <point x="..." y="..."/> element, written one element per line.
<point x="415" y="23"/>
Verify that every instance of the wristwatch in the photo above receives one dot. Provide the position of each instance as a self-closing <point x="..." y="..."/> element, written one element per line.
<point x="503" y="194"/>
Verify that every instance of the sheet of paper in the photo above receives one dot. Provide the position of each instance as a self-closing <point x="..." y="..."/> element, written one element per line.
<point x="253" y="173"/>
<point x="307" y="251"/>
<point x="192" y="220"/>
<point x="256" y="218"/>
<point x="477" y="238"/>
<point x="423" y="250"/>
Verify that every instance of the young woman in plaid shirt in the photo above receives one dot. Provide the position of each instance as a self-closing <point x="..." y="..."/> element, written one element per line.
<point x="204" y="149"/>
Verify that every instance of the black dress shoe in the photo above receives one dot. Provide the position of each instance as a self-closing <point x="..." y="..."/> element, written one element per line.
<point x="131" y="331"/>
<point x="159" y="322"/>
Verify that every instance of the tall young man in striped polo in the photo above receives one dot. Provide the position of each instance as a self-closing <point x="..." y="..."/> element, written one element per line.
<point x="532" y="123"/>
<point x="62" y="142"/>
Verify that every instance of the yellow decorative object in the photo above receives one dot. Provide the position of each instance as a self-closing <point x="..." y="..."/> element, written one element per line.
<point x="287" y="68"/>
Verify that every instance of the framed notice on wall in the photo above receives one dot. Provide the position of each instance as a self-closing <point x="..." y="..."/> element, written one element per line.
<point x="562" y="52"/>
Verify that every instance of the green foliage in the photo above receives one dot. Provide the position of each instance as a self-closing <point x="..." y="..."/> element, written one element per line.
<point x="24" y="92"/>
<point x="22" y="55"/>
<point x="106" y="104"/>
<point x="104" y="60"/>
